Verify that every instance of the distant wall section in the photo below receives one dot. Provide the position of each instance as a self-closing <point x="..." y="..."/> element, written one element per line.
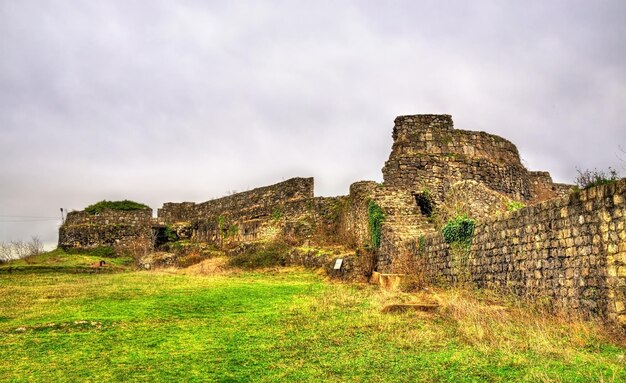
<point x="287" y="210"/>
<point x="110" y="228"/>
<point x="293" y="189"/>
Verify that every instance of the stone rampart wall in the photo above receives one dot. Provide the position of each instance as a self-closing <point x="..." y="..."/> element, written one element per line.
<point x="291" y="190"/>
<point x="110" y="228"/>
<point x="317" y="220"/>
<point x="286" y="211"/>
<point x="570" y="250"/>
<point x="354" y="221"/>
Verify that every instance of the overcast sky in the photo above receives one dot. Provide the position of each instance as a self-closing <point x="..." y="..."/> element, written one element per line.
<point x="161" y="101"/>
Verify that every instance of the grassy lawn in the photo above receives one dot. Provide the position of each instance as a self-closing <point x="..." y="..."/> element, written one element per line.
<point x="287" y="325"/>
<point x="59" y="261"/>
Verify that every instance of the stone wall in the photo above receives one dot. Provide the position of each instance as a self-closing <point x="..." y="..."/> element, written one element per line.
<point x="571" y="251"/>
<point x="473" y="199"/>
<point x="544" y="189"/>
<point x="354" y="222"/>
<point x="428" y="153"/>
<point x="291" y="190"/>
<point x="316" y="220"/>
<point x="110" y="228"/>
<point x="286" y="211"/>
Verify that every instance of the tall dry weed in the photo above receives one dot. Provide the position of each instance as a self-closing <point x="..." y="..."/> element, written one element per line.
<point x="515" y="324"/>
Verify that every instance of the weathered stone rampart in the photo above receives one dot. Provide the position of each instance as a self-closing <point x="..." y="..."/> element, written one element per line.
<point x="260" y="214"/>
<point x="570" y="250"/>
<point x="293" y="189"/>
<point x="110" y="228"/>
<point x="354" y="223"/>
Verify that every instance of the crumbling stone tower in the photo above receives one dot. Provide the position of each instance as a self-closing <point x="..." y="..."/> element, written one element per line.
<point x="430" y="157"/>
<point x="429" y="154"/>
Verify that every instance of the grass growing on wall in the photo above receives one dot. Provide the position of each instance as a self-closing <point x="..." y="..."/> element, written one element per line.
<point x="589" y="178"/>
<point x="513" y="205"/>
<point x="226" y="228"/>
<point x="375" y="219"/>
<point x="125" y="205"/>
<point x="277" y="214"/>
<point x="287" y="326"/>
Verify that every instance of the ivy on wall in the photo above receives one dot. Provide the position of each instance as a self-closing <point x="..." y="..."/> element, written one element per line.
<point x="375" y="218"/>
<point x="459" y="229"/>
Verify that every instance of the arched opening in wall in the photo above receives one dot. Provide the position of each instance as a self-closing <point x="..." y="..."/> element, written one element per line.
<point x="425" y="202"/>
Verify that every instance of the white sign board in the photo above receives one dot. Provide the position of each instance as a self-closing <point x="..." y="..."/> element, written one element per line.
<point x="338" y="264"/>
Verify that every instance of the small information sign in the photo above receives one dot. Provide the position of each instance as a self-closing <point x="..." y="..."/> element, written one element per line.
<point x="338" y="264"/>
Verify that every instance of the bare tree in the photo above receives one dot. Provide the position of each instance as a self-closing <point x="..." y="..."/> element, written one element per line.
<point x="35" y="247"/>
<point x="5" y="252"/>
<point x="20" y="249"/>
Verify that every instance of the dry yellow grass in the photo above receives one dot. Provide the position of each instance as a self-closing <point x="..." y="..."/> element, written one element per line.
<point x="486" y="320"/>
<point x="211" y="266"/>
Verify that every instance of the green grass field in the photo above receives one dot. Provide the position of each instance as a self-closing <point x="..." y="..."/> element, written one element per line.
<point x="277" y="326"/>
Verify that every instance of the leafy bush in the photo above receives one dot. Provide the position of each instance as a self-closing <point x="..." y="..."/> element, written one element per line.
<point x="589" y="178"/>
<point x="115" y="205"/>
<point x="375" y="218"/>
<point x="170" y="234"/>
<point x="254" y="257"/>
<point x="514" y="205"/>
<point x="459" y="229"/>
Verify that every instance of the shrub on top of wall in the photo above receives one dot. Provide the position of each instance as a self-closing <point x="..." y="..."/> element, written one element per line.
<point x="589" y="178"/>
<point x="459" y="229"/>
<point x="115" y="205"/>
<point x="375" y="218"/>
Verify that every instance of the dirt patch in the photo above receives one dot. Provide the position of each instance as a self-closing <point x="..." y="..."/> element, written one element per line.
<point x="211" y="266"/>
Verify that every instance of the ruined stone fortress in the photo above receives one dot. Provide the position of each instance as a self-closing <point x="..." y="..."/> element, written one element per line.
<point x="566" y="246"/>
